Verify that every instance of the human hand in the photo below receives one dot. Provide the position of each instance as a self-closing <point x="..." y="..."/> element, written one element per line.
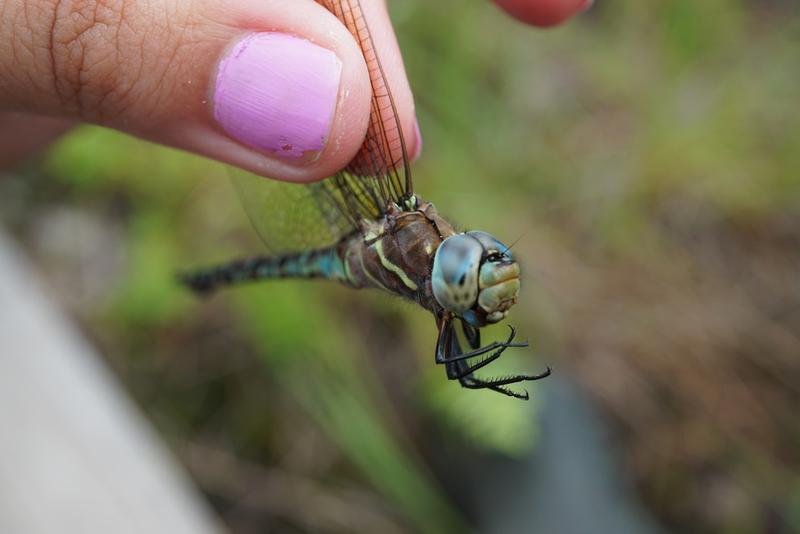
<point x="278" y="87"/>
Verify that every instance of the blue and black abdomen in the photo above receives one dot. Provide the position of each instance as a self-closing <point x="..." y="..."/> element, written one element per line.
<point x="322" y="263"/>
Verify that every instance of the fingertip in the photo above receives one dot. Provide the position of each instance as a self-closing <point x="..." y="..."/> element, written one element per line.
<point x="289" y="98"/>
<point x="544" y="13"/>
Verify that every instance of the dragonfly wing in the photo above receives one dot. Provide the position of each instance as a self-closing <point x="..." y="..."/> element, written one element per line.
<point x="291" y="217"/>
<point x="383" y="154"/>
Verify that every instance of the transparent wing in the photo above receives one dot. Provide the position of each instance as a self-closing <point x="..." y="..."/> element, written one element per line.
<point x="291" y="217"/>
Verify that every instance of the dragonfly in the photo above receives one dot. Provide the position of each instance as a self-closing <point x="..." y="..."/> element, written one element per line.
<point x="365" y="227"/>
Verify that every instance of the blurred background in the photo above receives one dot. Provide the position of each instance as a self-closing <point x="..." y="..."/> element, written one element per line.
<point x="644" y="159"/>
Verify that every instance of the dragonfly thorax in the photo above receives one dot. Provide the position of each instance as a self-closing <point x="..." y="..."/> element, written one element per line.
<point x="476" y="277"/>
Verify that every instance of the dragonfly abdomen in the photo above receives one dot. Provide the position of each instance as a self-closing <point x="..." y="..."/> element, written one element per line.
<point x="322" y="263"/>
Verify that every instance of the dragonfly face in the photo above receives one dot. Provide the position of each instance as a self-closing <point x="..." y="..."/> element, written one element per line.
<point x="476" y="277"/>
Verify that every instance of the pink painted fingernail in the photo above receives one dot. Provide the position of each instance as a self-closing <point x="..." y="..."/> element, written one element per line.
<point x="277" y="93"/>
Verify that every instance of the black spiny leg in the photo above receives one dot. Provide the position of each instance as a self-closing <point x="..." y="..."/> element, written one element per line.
<point x="472" y="334"/>
<point x="449" y="353"/>
<point x="460" y="370"/>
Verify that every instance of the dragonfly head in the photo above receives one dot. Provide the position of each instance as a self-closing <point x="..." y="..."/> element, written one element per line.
<point x="476" y="277"/>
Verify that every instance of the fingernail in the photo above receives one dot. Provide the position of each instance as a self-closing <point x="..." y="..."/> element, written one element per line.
<point x="277" y="93"/>
<point x="416" y="149"/>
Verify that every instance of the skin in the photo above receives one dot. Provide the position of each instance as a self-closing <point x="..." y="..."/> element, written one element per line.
<point x="118" y="65"/>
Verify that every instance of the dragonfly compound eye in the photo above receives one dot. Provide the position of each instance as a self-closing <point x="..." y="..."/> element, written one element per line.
<point x="498" y="278"/>
<point x="475" y="276"/>
<point x="456" y="267"/>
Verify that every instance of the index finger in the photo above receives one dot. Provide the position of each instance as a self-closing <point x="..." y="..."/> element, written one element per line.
<point x="544" y="12"/>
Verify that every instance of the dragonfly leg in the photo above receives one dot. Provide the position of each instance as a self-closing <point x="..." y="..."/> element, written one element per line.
<point x="473" y="334"/>
<point x="468" y="369"/>
<point x="446" y="333"/>
<point x="449" y="353"/>
<point x="460" y="370"/>
<point x="468" y="380"/>
<point x="471" y="382"/>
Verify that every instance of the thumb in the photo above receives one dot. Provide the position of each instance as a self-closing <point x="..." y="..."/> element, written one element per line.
<point x="278" y="87"/>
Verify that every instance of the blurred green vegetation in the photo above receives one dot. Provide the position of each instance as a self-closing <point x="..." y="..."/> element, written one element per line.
<point x="647" y="158"/>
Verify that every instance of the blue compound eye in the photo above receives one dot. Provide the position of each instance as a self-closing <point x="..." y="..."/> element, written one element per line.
<point x="494" y="249"/>
<point x="455" y="273"/>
